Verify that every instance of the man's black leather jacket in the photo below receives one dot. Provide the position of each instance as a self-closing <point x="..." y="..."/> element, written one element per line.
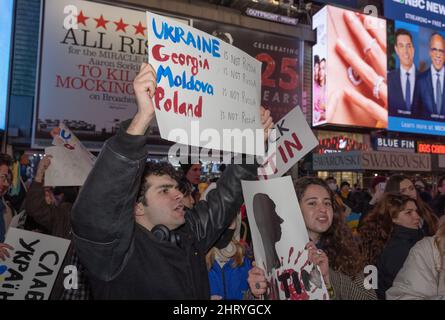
<point x="124" y="260"/>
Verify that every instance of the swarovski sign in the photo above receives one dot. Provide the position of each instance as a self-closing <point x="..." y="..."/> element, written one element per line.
<point x="370" y="160"/>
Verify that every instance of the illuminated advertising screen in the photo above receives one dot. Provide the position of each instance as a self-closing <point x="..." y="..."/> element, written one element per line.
<point x="431" y="147"/>
<point x="416" y="79"/>
<point x="6" y="17"/>
<point x="425" y="13"/>
<point x="349" y="69"/>
<point x="334" y="142"/>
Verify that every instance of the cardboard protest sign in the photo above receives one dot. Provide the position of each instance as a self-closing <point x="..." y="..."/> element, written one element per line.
<point x="29" y="273"/>
<point x="279" y="236"/>
<point x="71" y="162"/>
<point x="208" y="91"/>
<point x="291" y="140"/>
<point x="63" y="136"/>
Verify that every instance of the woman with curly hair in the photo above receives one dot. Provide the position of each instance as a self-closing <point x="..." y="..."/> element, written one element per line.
<point x="387" y="235"/>
<point x="332" y="247"/>
<point x="402" y="184"/>
<point x="422" y="277"/>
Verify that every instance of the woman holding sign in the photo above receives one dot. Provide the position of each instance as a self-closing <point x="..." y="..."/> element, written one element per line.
<point x="331" y="248"/>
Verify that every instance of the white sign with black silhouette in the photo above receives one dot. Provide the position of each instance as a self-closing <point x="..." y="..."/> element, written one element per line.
<point x="279" y="236"/>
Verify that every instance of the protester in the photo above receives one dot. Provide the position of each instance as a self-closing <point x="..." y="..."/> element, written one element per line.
<point x="56" y="219"/>
<point x="422" y="276"/>
<point x="192" y="173"/>
<point x="331" y="245"/>
<point x="227" y="261"/>
<point x="388" y="233"/>
<point x="401" y="183"/>
<point x="130" y="228"/>
<point x="228" y="267"/>
<point x="376" y="191"/>
<point x="345" y="193"/>
<point x="357" y="200"/>
<point x="43" y="209"/>
<point x="342" y="207"/>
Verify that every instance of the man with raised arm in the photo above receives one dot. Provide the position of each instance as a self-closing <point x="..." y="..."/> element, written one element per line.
<point x="130" y="228"/>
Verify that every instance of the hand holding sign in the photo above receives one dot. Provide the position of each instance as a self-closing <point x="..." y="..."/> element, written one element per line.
<point x="279" y="236"/>
<point x="320" y="259"/>
<point x="257" y="281"/>
<point x="4" y="250"/>
<point x="144" y="88"/>
<point x="266" y="121"/>
<point x="70" y="161"/>
<point x="42" y="167"/>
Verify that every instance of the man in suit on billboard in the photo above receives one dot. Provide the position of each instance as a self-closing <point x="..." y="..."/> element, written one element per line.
<point x="429" y="95"/>
<point x="402" y="80"/>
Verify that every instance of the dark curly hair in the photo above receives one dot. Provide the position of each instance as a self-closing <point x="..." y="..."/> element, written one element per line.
<point x="424" y="210"/>
<point x="154" y="169"/>
<point x="338" y="243"/>
<point x="378" y="225"/>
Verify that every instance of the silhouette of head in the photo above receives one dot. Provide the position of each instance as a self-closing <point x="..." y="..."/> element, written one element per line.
<point x="269" y="226"/>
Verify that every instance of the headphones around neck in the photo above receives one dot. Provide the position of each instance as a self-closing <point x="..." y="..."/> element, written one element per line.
<point x="163" y="234"/>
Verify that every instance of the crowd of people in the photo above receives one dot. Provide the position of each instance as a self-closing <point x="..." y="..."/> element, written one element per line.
<point x="143" y="230"/>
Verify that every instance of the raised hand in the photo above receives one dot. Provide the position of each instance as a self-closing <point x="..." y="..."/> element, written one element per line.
<point x="266" y="121"/>
<point x="44" y="163"/>
<point x="144" y="89"/>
